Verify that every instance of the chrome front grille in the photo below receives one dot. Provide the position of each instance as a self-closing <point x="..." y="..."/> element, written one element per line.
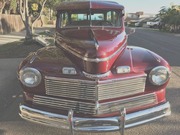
<point x="63" y="104"/>
<point x="77" y="89"/>
<point x="95" y="108"/>
<point x="129" y="103"/>
<point x="94" y="90"/>
<point x="121" y="88"/>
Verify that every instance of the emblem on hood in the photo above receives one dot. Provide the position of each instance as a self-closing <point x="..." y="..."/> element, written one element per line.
<point x="96" y="76"/>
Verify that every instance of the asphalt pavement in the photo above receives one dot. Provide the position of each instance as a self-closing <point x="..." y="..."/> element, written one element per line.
<point x="166" y="45"/>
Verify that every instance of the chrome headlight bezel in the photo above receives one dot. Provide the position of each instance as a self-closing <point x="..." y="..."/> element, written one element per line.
<point x="155" y="75"/>
<point x="34" y="77"/>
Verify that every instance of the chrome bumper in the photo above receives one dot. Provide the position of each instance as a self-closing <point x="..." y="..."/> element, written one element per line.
<point x="118" y="123"/>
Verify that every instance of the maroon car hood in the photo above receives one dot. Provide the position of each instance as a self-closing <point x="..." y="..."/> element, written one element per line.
<point x="95" y="50"/>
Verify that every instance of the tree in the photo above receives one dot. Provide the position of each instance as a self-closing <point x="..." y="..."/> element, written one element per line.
<point x="13" y="6"/>
<point x="2" y="5"/>
<point x="170" y="18"/>
<point x="51" y="4"/>
<point x="29" y="15"/>
<point x="10" y="5"/>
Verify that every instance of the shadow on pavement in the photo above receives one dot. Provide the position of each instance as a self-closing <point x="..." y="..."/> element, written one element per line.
<point x="2" y="132"/>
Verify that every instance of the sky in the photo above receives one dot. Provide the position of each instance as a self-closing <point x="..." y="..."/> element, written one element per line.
<point x="148" y="6"/>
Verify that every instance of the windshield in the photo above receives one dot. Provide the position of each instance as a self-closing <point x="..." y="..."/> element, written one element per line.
<point x="93" y="18"/>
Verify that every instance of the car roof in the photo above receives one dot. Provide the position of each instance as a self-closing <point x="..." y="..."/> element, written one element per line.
<point x="89" y="4"/>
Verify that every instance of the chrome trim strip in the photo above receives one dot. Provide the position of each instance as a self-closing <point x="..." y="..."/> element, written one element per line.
<point x="95" y="124"/>
<point x="67" y="79"/>
<point x="96" y="76"/>
<point x="87" y="81"/>
<point x="33" y="57"/>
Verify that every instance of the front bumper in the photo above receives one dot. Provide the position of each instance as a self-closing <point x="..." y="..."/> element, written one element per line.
<point x="117" y="123"/>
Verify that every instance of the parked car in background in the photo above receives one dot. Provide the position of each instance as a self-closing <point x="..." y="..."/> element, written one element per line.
<point x="132" y="23"/>
<point x="91" y="80"/>
<point x="154" y="23"/>
<point x="141" y="22"/>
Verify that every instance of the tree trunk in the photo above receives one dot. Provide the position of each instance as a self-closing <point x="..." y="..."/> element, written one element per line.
<point x="40" y="13"/>
<point x="24" y="12"/>
<point x="32" y="28"/>
<point x="3" y="5"/>
<point x="28" y="27"/>
<point x="28" y="21"/>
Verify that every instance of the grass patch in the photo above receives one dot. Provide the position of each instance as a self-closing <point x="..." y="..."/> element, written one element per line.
<point x="18" y="49"/>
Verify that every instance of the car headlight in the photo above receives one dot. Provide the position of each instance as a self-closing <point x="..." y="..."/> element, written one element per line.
<point x="30" y="77"/>
<point x="159" y="75"/>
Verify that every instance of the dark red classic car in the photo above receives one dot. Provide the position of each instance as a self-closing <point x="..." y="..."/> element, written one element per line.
<point x="91" y="80"/>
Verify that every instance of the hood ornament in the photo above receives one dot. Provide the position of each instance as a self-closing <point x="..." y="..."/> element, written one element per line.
<point x="94" y="39"/>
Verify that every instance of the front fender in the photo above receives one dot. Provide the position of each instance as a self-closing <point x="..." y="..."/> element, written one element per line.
<point x="140" y="60"/>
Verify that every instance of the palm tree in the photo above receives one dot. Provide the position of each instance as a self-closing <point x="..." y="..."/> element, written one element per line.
<point x="170" y="18"/>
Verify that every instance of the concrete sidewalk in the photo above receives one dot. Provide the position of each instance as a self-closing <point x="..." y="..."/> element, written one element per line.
<point x="16" y="36"/>
<point x="4" y="39"/>
<point x="12" y="37"/>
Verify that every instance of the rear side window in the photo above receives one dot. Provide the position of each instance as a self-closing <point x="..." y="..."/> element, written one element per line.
<point x="114" y="18"/>
<point x="64" y="19"/>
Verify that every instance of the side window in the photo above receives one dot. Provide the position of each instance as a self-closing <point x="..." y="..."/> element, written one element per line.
<point x="114" y="18"/>
<point x="73" y="19"/>
<point x="64" y="19"/>
<point x="97" y="16"/>
<point x="78" y="17"/>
